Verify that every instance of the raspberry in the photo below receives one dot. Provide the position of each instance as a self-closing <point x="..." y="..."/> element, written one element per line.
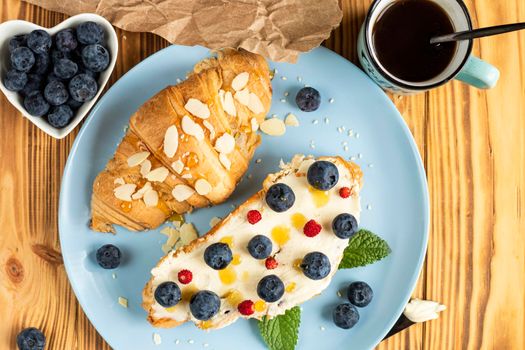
<point x="345" y="192"/>
<point x="271" y="263"/>
<point x="246" y="307"/>
<point x="185" y="276"/>
<point x="254" y="216"/>
<point x="312" y="228"/>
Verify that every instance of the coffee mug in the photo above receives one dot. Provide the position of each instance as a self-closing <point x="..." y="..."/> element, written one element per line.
<point x="463" y="66"/>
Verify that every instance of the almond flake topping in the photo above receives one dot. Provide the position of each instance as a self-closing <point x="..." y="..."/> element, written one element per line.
<point x="225" y="143"/>
<point x="137" y="158"/>
<point x="187" y="176"/>
<point x="202" y="187"/>
<point x="171" y="141"/>
<point x="255" y="124"/>
<point x="240" y="81"/>
<point x="119" y="181"/>
<point x="197" y="108"/>
<point x="228" y="104"/>
<point x="273" y="127"/>
<point x="178" y="166"/>
<point x="159" y="174"/>
<point x="145" y="167"/>
<point x="192" y="128"/>
<point x="291" y="120"/>
<point x="124" y="192"/>
<point x="151" y="198"/>
<point x="210" y="127"/>
<point x="182" y="192"/>
<point x="223" y="158"/>
<point x="255" y="104"/>
<point x="243" y="96"/>
<point x="140" y="193"/>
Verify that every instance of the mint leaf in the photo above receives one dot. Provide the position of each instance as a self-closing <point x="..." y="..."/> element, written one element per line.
<point x="364" y="248"/>
<point x="281" y="332"/>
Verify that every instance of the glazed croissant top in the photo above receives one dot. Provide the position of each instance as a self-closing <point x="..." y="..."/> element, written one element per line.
<point x="187" y="146"/>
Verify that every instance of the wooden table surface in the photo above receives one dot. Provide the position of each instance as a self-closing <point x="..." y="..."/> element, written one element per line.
<point x="473" y="146"/>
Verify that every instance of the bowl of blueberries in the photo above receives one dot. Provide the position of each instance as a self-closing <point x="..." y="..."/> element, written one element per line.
<point x="54" y="76"/>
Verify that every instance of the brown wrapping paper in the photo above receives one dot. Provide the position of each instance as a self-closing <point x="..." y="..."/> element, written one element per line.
<point x="277" y="29"/>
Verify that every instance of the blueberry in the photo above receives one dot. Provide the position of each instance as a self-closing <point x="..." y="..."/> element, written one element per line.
<point x="74" y="105"/>
<point x="39" y="41"/>
<point x="344" y="225"/>
<point x="35" y="104"/>
<point x="260" y="247"/>
<point x="15" y="80"/>
<point x="322" y="175"/>
<point x="83" y="70"/>
<point x="34" y="83"/>
<point x="218" y="256"/>
<point x="315" y="265"/>
<point x="58" y="55"/>
<point x="65" y="68"/>
<point x="82" y="87"/>
<point x="95" y="57"/>
<point x="22" y="59"/>
<point x="41" y="63"/>
<point x="345" y="315"/>
<point x="108" y="256"/>
<point x="52" y="77"/>
<point x="90" y="33"/>
<point x="56" y="93"/>
<point x="280" y="197"/>
<point x="31" y="339"/>
<point x="270" y="288"/>
<point x="360" y="294"/>
<point x="167" y="294"/>
<point x="204" y="305"/>
<point x="66" y="40"/>
<point x="60" y="116"/>
<point x="308" y="99"/>
<point x="17" y="41"/>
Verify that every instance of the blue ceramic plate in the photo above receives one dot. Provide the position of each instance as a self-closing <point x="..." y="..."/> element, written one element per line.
<point x="356" y="120"/>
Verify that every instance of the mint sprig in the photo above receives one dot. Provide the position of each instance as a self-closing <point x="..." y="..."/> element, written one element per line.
<point x="281" y="332"/>
<point x="363" y="249"/>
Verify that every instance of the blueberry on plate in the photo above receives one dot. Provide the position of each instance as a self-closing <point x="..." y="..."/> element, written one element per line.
<point x="90" y="33"/>
<point x="15" y="80"/>
<point x="108" y="256"/>
<point x="22" y="59"/>
<point x="360" y="294"/>
<point x="31" y="339"/>
<point x="260" y="247"/>
<point x="308" y="99"/>
<point x="34" y="83"/>
<point x="168" y="294"/>
<point x="315" y="265"/>
<point x="345" y="316"/>
<point x="17" y="41"/>
<point x="39" y="41"/>
<point x="82" y="87"/>
<point x="41" y="63"/>
<point x="270" y="288"/>
<point x="56" y="93"/>
<point x="280" y="197"/>
<point x="60" y="116"/>
<point x="65" y="68"/>
<point x="204" y="305"/>
<point x="322" y="175"/>
<point x="344" y="225"/>
<point x="218" y="256"/>
<point x="73" y="104"/>
<point x="95" y="57"/>
<point x="66" y="40"/>
<point x="35" y="104"/>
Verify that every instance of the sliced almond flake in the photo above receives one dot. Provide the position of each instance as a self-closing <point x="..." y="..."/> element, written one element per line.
<point x="124" y="192"/>
<point x="192" y="128"/>
<point x="123" y="302"/>
<point x="273" y="127"/>
<point x="119" y="181"/>
<point x="166" y="248"/>
<point x="151" y="198"/>
<point x="255" y="124"/>
<point x="159" y="174"/>
<point x="197" y="108"/>
<point x="137" y="158"/>
<point x="215" y="220"/>
<point x="171" y="141"/>
<point x="178" y="166"/>
<point x="166" y="231"/>
<point x="202" y="187"/>
<point x="243" y="96"/>
<point x="255" y="104"/>
<point x="229" y="105"/>
<point x="291" y="120"/>
<point x="187" y="176"/>
<point x="210" y="127"/>
<point x="188" y="233"/>
<point x="221" y="96"/>
<point x="140" y="193"/>
<point x="240" y="81"/>
<point x="223" y="158"/>
<point x="225" y="143"/>
<point x="145" y="167"/>
<point x="157" y="339"/>
<point x="173" y="237"/>
<point x="182" y="192"/>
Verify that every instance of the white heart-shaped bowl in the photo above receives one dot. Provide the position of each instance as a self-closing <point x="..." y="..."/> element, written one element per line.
<point x="11" y="28"/>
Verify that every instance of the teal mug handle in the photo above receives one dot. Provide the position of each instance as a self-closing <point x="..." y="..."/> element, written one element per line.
<point x="479" y="73"/>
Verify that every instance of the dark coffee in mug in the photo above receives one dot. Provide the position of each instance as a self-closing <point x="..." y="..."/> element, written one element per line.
<point x="401" y="39"/>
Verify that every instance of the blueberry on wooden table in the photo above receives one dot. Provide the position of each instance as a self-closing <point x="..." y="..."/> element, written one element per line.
<point x="31" y="339"/>
<point x="167" y="294"/>
<point x="66" y="40"/>
<point x="22" y="59"/>
<point x="345" y="316"/>
<point x="95" y="57"/>
<point x="108" y="256"/>
<point x="82" y="87"/>
<point x="15" y="80"/>
<point x="35" y="104"/>
<point x="308" y="99"/>
<point x="56" y="93"/>
<point x="270" y="288"/>
<point x="204" y="305"/>
<point x="360" y="294"/>
<point x="39" y="41"/>
<point x="60" y="116"/>
<point x="90" y="33"/>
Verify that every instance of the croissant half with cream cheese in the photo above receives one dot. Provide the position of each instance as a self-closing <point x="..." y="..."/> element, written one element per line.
<point x="186" y="147"/>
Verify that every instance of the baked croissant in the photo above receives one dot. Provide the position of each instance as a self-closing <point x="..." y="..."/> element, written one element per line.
<point x="187" y="146"/>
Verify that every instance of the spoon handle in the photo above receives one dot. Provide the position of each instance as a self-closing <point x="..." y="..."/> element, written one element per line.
<point x="477" y="33"/>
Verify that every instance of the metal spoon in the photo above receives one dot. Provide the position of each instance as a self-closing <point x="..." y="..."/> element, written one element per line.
<point x="477" y="33"/>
